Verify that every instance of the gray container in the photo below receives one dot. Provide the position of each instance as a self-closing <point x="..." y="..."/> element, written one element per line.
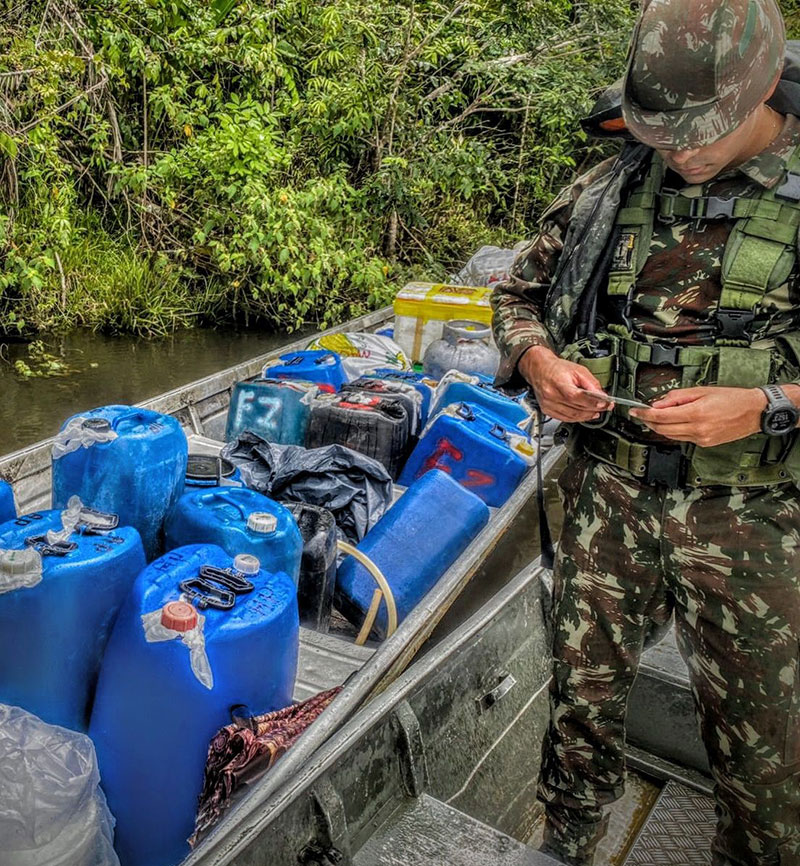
<point x="465" y="346"/>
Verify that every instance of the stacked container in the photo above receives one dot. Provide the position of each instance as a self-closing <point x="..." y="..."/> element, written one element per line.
<point x="7" y="508"/>
<point x="320" y="366"/>
<point x="63" y="577"/>
<point x="128" y="461"/>
<point x="476" y="448"/>
<point x="414" y="544"/>
<point x="277" y="410"/>
<point x="199" y="634"/>
<point x="457" y="387"/>
<point x="421" y="310"/>
<point x="239" y="520"/>
<point x="373" y="425"/>
<point x="424" y="385"/>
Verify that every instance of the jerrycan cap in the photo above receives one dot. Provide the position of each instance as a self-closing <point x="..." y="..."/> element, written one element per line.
<point x="97" y="424"/>
<point x="179" y="616"/>
<point x="246" y="563"/>
<point x="262" y="522"/>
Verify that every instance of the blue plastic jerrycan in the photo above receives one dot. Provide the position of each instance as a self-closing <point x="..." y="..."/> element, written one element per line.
<point x="199" y="634"/>
<point x="207" y="470"/>
<point x="277" y="410"/>
<point x="125" y="460"/>
<point x="7" y="507"/>
<point x="458" y="387"/>
<point x="476" y="448"/>
<point x="239" y="520"/>
<point x="320" y="366"/>
<point x="59" y="597"/>
<point x="419" y="381"/>
<point x="413" y="544"/>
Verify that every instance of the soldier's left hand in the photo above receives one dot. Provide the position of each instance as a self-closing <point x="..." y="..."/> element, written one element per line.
<point x="705" y="415"/>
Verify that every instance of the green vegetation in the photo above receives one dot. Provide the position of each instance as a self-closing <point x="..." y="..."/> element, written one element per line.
<point x="165" y="163"/>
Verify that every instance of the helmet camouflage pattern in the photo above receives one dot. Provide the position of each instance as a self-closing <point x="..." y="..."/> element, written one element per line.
<point x="698" y="68"/>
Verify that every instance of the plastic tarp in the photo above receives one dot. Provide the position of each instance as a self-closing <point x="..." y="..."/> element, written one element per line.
<point x="52" y="811"/>
<point x="356" y="489"/>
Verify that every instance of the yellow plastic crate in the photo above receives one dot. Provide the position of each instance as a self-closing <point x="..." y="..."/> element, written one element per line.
<point x="421" y="309"/>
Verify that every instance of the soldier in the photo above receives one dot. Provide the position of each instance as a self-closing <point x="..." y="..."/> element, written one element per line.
<point x="669" y="276"/>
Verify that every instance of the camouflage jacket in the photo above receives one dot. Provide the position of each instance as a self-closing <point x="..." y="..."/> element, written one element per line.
<point x="677" y="291"/>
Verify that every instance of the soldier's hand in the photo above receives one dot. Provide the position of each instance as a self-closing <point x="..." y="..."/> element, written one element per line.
<point x="559" y="384"/>
<point x="705" y="415"/>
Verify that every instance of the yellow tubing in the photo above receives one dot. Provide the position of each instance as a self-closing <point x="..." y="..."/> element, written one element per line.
<point x="385" y="590"/>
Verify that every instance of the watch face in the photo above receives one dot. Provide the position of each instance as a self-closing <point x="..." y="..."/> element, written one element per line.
<point x="781" y="421"/>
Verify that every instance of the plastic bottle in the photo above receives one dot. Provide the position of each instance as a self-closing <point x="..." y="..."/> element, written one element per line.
<point x="125" y="460"/>
<point x="199" y="634"/>
<point x="58" y="602"/>
<point x="239" y="520"/>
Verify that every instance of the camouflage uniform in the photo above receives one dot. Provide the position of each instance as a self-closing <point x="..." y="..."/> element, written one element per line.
<point x="724" y="560"/>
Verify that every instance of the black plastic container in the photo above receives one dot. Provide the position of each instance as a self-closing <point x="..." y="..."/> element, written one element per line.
<point x="373" y="425"/>
<point x="407" y="394"/>
<point x="317" y="566"/>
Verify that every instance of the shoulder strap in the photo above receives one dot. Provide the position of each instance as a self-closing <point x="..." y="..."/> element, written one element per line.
<point x="762" y="248"/>
<point x="634" y="229"/>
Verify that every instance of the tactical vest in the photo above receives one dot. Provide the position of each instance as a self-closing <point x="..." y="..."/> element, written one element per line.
<point x="759" y="256"/>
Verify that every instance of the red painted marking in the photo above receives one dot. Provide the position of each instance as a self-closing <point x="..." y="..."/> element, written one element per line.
<point x="444" y="448"/>
<point x="476" y="478"/>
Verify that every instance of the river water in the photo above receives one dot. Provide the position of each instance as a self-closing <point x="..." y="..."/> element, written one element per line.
<point x="107" y="370"/>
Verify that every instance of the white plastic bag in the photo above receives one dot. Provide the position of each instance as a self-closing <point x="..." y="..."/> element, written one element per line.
<point x="363" y="353"/>
<point x="52" y="811"/>
<point x="487" y="266"/>
<point x="76" y="435"/>
<point x="193" y="639"/>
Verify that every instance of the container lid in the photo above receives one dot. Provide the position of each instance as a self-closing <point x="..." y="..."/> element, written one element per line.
<point x="179" y="616"/>
<point x="207" y="467"/>
<point x="245" y="563"/>
<point x="262" y="522"/>
<point x="96" y="424"/>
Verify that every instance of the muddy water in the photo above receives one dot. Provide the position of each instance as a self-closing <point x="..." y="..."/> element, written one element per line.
<point x="106" y="370"/>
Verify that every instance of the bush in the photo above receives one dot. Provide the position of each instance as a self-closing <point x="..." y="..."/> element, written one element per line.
<point x="173" y="162"/>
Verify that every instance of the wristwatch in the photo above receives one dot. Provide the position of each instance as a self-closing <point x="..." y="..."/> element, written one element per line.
<point x="780" y="415"/>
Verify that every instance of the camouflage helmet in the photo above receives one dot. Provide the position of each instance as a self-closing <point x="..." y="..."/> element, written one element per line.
<point x="698" y="68"/>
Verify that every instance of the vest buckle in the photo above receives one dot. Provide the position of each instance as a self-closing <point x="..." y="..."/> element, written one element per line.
<point x="733" y="324"/>
<point x="790" y="188"/>
<point x="666" y="467"/>
<point x="662" y="355"/>
<point x="716" y="208"/>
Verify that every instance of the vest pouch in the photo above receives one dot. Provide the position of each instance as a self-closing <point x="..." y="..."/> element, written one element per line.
<point x="601" y="358"/>
<point x="739" y="463"/>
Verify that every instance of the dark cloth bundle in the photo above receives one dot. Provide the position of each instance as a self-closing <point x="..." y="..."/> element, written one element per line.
<point x="240" y="752"/>
<point x="356" y="489"/>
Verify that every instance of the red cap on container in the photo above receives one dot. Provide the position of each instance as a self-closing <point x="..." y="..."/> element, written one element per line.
<point x="179" y="616"/>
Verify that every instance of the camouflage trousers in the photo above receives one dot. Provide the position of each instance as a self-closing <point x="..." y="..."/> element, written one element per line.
<point x="726" y="562"/>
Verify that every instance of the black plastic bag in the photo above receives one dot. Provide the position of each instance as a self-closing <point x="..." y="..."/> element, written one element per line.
<point x="354" y="487"/>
